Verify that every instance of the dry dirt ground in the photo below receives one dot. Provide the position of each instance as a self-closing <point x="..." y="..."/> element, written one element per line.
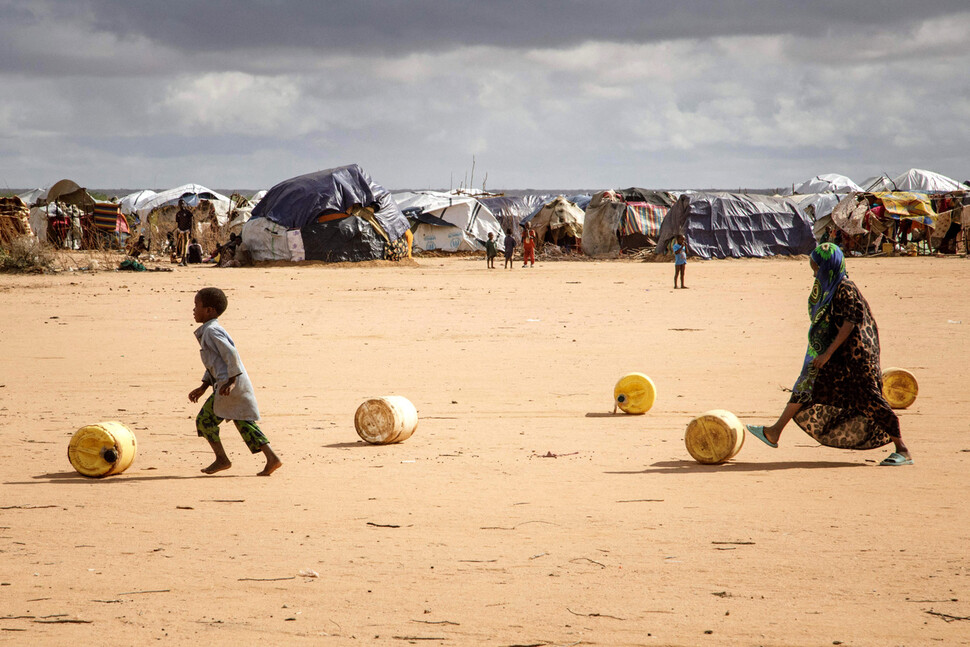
<point x="470" y="533"/>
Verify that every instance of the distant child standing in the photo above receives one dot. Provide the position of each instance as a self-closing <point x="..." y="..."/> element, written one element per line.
<point x="491" y="251"/>
<point x="232" y="393"/>
<point x="509" y="248"/>
<point x="680" y="260"/>
<point x="528" y="246"/>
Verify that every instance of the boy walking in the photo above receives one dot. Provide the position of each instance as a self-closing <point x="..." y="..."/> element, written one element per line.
<point x="491" y="251"/>
<point x="680" y="260"/>
<point x="509" y="248"/>
<point x="232" y="393"/>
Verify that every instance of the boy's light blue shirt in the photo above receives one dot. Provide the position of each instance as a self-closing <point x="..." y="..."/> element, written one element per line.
<point x="221" y="361"/>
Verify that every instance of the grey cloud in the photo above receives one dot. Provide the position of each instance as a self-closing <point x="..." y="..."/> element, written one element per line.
<point x="377" y="27"/>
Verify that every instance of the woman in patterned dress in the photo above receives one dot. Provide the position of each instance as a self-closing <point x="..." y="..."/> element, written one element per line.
<point x="838" y="398"/>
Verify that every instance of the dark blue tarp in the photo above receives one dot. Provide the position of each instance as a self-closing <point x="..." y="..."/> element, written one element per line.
<point x="731" y="225"/>
<point x="299" y="201"/>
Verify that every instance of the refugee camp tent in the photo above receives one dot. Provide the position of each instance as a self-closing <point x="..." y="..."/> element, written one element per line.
<point x="559" y="222"/>
<point x="69" y="192"/>
<point x="339" y="214"/>
<point x="601" y="223"/>
<point x="512" y="212"/>
<point x="818" y="207"/>
<point x="14" y="220"/>
<point x="879" y="183"/>
<point x="473" y="220"/>
<point x="829" y="182"/>
<point x="31" y="197"/>
<point x="722" y="225"/>
<point x="581" y="200"/>
<point x="131" y="203"/>
<point x="919" y="180"/>
<point x="192" y="194"/>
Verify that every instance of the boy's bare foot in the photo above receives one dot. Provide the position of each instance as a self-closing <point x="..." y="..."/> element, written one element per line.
<point x="271" y="466"/>
<point x="217" y="466"/>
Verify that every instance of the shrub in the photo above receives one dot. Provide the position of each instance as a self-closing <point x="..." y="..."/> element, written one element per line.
<point x="26" y="254"/>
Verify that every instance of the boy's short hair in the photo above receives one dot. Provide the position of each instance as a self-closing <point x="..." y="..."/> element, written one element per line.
<point x="508" y="231"/>
<point x="213" y="298"/>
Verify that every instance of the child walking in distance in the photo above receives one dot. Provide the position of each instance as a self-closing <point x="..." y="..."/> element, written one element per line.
<point x="491" y="251"/>
<point x="528" y="246"/>
<point x="509" y="248"/>
<point x="232" y="393"/>
<point x="680" y="260"/>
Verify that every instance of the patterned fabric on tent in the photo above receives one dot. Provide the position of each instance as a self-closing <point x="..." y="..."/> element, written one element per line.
<point x="642" y="218"/>
<point x="912" y="206"/>
<point x="108" y="217"/>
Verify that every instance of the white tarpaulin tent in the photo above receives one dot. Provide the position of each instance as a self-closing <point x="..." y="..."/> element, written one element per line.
<point x="466" y="221"/>
<point x="919" y="180"/>
<point x="819" y="207"/>
<point x="191" y="193"/>
<point x="829" y="182"/>
<point x="134" y="201"/>
<point x="30" y="197"/>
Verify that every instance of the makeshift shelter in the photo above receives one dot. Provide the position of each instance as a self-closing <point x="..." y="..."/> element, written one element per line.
<point x="601" y="223"/>
<point x="559" y="222"/>
<point x="108" y="226"/>
<point x="818" y="207"/>
<point x="827" y="183"/>
<point x="192" y="194"/>
<point x="131" y="203"/>
<point x="68" y="210"/>
<point x="14" y="220"/>
<point x="338" y="214"/>
<point x="866" y="220"/>
<point x="31" y="197"/>
<point x="511" y="212"/>
<point x="879" y="183"/>
<point x="723" y="225"/>
<point x="640" y="224"/>
<point x="919" y="180"/>
<point x="447" y="212"/>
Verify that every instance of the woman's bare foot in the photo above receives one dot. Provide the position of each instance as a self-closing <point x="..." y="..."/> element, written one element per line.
<point x="272" y="465"/>
<point x="217" y="466"/>
<point x="771" y="434"/>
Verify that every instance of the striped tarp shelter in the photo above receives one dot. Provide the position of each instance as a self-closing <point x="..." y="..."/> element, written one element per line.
<point x="642" y="218"/>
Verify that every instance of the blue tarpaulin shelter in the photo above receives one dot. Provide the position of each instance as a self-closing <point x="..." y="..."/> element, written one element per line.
<point x="731" y="225"/>
<point x="342" y="214"/>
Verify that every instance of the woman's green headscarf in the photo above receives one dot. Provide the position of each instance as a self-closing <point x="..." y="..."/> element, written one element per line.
<point x="831" y="272"/>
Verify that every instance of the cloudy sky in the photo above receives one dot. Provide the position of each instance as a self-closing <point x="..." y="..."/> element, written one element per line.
<point x="543" y="94"/>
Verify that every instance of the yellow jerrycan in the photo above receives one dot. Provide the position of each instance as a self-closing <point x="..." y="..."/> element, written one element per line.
<point x="102" y="449"/>
<point x="634" y="393"/>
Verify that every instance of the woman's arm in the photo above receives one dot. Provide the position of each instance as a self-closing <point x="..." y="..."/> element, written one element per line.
<point x="844" y="331"/>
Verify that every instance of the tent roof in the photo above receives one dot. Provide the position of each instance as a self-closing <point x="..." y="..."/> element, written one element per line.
<point x="69" y="192"/>
<point x="829" y="182"/>
<point x="919" y="180"/>
<point x="32" y="196"/>
<point x="298" y="201"/>
<point x="191" y="193"/>
<point x="133" y="201"/>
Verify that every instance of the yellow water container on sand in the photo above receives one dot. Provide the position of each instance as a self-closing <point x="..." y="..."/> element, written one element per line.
<point x="899" y="387"/>
<point x="634" y="393"/>
<point x="102" y="449"/>
<point x="714" y="437"/>
<point x="385" y="420"/>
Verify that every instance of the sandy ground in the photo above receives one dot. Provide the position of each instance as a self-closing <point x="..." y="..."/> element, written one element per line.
<point x="466" y="534"/>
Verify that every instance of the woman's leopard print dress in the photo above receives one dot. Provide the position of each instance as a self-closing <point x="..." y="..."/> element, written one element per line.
<point x="845" y="407"/>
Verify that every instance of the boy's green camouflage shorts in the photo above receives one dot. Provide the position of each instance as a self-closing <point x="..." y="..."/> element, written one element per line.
<point x="207" y="424"/>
